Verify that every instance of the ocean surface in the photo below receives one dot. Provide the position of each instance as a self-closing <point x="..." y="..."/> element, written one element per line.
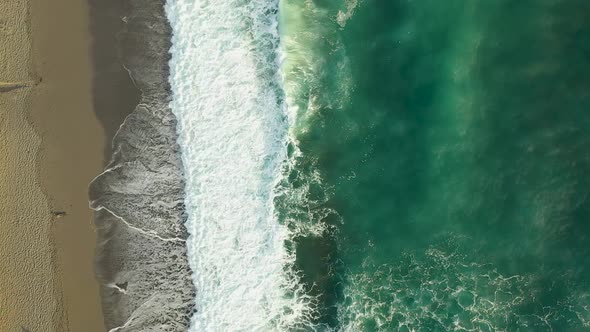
<point x="372" y="165"/>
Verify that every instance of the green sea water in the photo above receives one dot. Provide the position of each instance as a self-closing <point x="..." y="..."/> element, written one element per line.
<point x="441" y="162"/>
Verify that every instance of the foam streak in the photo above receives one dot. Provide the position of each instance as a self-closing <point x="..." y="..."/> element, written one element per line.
<point x="232" y="127"/>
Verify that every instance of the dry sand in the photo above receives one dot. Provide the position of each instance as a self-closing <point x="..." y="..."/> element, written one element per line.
<point x="27" y="291"/>
<point x="51" y="147"/>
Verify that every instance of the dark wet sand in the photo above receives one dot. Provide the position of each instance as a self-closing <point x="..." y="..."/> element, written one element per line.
<point x="114" y="95"/>
<point x="92" y="88"/>
<point x="71" y="153"/>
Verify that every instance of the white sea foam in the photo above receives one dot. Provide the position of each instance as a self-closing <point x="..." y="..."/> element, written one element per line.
<point x="233" y="126"/>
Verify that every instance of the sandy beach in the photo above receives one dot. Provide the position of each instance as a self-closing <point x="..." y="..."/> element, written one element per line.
<point x="52" y="147"/>
<point x="28" y="296"/>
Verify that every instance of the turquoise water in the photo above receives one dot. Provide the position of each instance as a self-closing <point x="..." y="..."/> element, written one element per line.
<point x="441" y="158"/>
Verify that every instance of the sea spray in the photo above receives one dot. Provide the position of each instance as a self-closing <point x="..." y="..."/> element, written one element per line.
<point x="233" y="125"/>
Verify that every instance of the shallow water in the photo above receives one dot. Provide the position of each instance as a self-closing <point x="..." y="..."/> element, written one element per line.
<point x="372" y="165"/>
<point x="444" y="147"/>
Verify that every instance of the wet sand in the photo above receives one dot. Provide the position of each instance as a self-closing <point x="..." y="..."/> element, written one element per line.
<point x="72" y="152"/>
<point x="141" y="258"/>
<point x="52" y="147"/>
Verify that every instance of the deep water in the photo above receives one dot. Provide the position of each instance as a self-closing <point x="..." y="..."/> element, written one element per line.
<point x="445" y="147"/>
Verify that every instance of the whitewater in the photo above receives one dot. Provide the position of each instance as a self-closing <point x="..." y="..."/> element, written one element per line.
<point x="233" y="129"/>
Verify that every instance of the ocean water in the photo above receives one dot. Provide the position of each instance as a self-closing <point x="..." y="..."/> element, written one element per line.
<point x="370" y="165"/>
<point x="233" y="125"/>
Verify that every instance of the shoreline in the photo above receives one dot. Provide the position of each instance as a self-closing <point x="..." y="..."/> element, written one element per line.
<point x="141" y="257"/>
<point x="77" y="93"/>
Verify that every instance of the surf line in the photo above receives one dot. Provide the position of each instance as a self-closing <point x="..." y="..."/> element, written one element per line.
<point x="233" y="127"/>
